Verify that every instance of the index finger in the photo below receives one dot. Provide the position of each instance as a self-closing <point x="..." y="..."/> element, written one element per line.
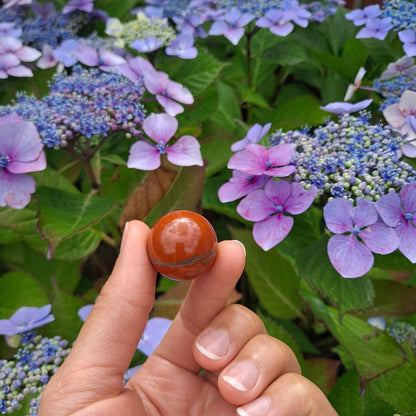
<point x="206" y="297"/>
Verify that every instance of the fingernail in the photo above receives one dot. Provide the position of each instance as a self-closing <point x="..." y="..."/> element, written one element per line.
<point x="241" y="375"/>
<point x="214" y="343"/>
<point x="260" y="407"/>
<point x="242" y="245"/>
<point x="123" y="239"/>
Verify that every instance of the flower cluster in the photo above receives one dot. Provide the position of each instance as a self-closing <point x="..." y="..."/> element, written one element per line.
<point x="143" y="34"/>
<point x="227" y="18"/>
<point x="397" y="78"/>
<point x="29" y="370"/>
<point x="346" y="162"/>
<point x="399" y="15"/>
<point x="87" y="103"/>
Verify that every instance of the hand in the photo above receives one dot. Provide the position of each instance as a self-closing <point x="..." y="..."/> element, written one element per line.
<point x="247" y="372"/>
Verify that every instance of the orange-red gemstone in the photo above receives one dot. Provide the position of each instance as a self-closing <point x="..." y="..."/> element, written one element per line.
<point x="182" y="244"/>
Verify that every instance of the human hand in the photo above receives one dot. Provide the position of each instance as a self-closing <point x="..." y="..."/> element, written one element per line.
<point x="246" y="372"/>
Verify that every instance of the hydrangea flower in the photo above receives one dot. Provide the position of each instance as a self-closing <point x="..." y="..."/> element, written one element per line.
<point x="375" y="28"/>
<point x="10" y="29"/>
<point x="147" y="45"/>
<point x="403" y="66"/>
<point x="92" y="57"/>
<point x="240" y="185"/>
<point x="254" y="135"/>
<point x="64" y="52"/>
<point x="183" y="47"/>
<point x="25" y="319"/>
<point x="21" y="151"/>
<point x="167" y="92"/>
<point x="48" y="59"/>
<point x="408" y="37"/>
<point x="11" y="3"/>
<point x="397" y="117"/>
<point x="267" y="208"/>
<point x="231" y="25"/>
<point x="399" y="211"/>
<point x="277" y="21"/>
<point x="358" y="234"/>
<point x="346" y="108"/>
<point x="362" y="16"/>
<point x="161" y="128"/>
<point x="259" y="160"/>
<point x="84" y="5"/>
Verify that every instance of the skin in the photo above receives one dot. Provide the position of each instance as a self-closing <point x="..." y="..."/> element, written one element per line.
<point x="90" y="382"/>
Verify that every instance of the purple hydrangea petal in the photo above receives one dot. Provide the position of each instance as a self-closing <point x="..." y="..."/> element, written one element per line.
<point x="149" y="44"/>
<point x="375" y="28"/>
<point x="9" y="44"/>
<point x="254" y="135"/>
<point x="408" y="197"/>
<point x="48" y="59"/>
<point x="153" y="334"/>
<point x="409" y="150"/>
<point x="251" y="160"/>
<point x="156" y="82"/>
<point x="390" y="210"/>
<point x="86" y="55"/>
<point x="278" y="192"/>
<point x="349" y="257"/>
<point x="300" y="199"/>
<point x="143" y="156"/>
<point x="380" y="238"/>
<point x="281" y="154"/>
<point x="179" y="93"/>
<point x="171" y="107"/>
<point x="338" y="215"/>
<point x="271" y="231"/>
<point x="407" y="36"/>
<point x="364" y="213"/>
<point x="108" y="58"/>
<point x="85" y="311"/>
<point x="20" y="141"/>
<point x="28" y="54"/>
<point x="20" y="71"/>
<point x="15" y="190"/>
<point x="234" y="34"/>
<point x="346" y="108"/>
<point x="8" y="60"/>
<point x="185" y="152"/>
<point x="240" y="185"/>
<point x="407" y="235"/>
<point x="160" y="127"/>
<point x="255" y="206"/>
<point x="32" y="166"/>
<point x="280" y="172"/>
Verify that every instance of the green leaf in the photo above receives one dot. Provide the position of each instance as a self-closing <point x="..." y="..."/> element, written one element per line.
<point x="18" y="289"/>
<point x="373" y="351"/>
<point x="248" y="95"/>
<point x="392" y="299"/>
<point x="321" y="371"/>
<point x="115" y="9"/>
<point x="298" y="112"/>
<point x="202" y="108"/>
<point x="53" y="179"/>
<point x="397" y="388"/>
<point x="272" y="277"/>
<point x="67" y="322"/>
<point x="185" y="193"/>
<point x="196" y="75"/>
<point x="354" y="55"/>
<point x="347" y="294"/>
<point x="228" y="110"/>
<point x="20" y="257"/>
<point x="394" y="261"/>
<point x="345" y="395"/>
<point x="63" y="214"/>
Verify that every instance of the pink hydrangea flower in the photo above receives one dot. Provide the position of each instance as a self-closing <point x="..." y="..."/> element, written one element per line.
<point x="21" y="151"/>
<point x="145" y="155"/>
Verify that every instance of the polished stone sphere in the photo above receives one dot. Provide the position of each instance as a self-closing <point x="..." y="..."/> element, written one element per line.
<point x="182" y="244"/>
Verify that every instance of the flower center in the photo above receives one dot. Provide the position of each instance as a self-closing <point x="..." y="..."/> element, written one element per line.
<point x="409" y="216"/>
<point x="161" y="147"/>
<point x="4" y="161"/>
<point x="269" y="164"/>
<point x="278" y="208"/>
<point x="355" y="230"/>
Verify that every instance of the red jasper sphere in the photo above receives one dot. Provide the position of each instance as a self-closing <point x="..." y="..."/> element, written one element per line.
<point x="182" y="244"/>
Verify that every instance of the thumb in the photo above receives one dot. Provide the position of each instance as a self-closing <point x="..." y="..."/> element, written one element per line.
<point x="112" y="331"/>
